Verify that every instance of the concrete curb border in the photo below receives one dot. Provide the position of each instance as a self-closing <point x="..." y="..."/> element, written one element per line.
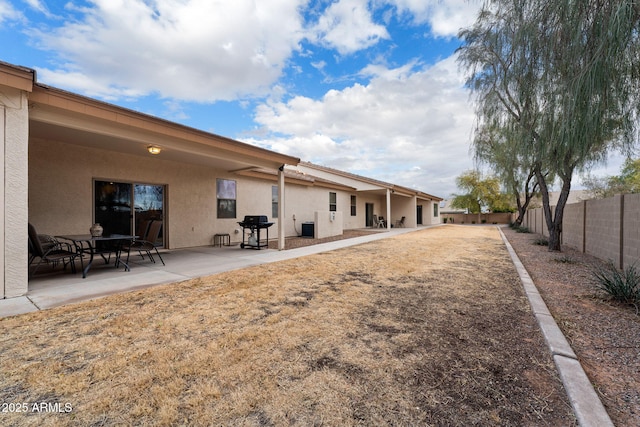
<point x="586" y="404"/>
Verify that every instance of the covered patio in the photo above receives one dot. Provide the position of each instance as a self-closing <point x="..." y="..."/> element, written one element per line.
<point x="62" y="149"/>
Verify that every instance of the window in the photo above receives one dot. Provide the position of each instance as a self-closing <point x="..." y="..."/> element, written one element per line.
<point x="353" y="205"/>
<point x="435" y="209"/>
<point x="333" y="204"/>
<point x="274" y="201"/>
<point x="226" y="195"/>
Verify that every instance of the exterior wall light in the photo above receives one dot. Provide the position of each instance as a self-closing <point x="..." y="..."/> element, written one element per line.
<point x="154" y="149"/>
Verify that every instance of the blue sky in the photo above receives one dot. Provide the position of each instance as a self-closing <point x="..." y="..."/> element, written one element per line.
<point x="370" y="87"/>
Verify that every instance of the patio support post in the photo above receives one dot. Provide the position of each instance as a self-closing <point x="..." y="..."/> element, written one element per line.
<point x="281" y="210"/>
<point x="388" y="209"/>
<point x="14" y="143"/>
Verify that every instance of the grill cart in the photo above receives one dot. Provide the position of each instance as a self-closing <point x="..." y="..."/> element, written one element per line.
<point x="255" y="223"/>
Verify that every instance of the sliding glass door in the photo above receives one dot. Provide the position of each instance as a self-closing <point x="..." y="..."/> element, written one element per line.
<point x="128" y="208"/>
<point x="148" y="202"/>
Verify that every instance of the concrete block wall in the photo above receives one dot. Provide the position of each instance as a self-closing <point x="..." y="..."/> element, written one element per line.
<point x="573" y="225"/>
<point x="607" y="228"/>
<point x="602" y="232"/>
<point x="631" y="232"/>
<point x="534" y="221"/>
<point x="539" y="226"/>
<point x="490" y="218"/>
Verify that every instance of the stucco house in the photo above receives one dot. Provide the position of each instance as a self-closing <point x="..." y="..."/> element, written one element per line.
<point x="70" y="161"/>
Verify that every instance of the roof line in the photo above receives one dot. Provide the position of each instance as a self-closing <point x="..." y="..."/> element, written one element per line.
<point x="384" y="184"/>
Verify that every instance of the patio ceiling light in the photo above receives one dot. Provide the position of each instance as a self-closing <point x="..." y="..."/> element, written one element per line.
<point x="154" y="149"/>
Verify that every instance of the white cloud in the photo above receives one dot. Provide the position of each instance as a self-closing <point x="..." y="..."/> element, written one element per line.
<point x="38" y="5"/>
<point x="410" y="127"/>
<point x="192" y="50"/>
<point x="446" y="17"/>
<point x="8" y="12"/>
<point x="405" y="124"/>
<point x="347" y="26"/>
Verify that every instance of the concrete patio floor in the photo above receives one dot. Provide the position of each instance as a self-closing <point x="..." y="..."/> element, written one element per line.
<point x="60" y="288"/>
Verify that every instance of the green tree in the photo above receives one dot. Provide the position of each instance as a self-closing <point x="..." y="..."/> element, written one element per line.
<point x="559" y="76"/>
<point x="478" y="193"/>
<point x="627" y="182"/>
<point x="630" y="175"/>
<point x="493" y="147"/>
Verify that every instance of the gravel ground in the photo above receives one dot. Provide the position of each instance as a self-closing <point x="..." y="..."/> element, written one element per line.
<point x="298" y="242"/>
<point x="603" y="334"/>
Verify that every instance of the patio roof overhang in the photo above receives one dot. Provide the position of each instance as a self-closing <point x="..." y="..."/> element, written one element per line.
<point x="370" y="185"/>
<point x="295" y="177"/>
<point x="55" y="114"/>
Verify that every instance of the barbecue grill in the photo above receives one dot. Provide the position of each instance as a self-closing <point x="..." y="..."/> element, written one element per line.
<point x="255" y="223"/>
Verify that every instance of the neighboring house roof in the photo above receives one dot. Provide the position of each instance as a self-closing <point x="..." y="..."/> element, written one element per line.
<point x="445" y="208"/>
<point x="575" y="196"/>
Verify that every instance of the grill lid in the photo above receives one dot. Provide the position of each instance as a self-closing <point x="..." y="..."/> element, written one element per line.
<point x="255" y="219"/>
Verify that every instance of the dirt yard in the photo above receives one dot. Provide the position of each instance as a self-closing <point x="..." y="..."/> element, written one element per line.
<point x="298" y="242"/>
<point x="426" y="328"/>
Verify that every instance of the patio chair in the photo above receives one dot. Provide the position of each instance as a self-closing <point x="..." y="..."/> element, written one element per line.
<point x="148" y="242"/>
<point x="143" y="229"/>
<point x="49" y="250"/>
<point x="378" y="222"/>
<point x="400" y="223"/>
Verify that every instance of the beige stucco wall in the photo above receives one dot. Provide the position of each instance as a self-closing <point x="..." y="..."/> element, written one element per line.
<point x="61" y="192"/>
<point x="428" y="218"/>
<point x="61" y="195"/>
<point x="14" y="134"/>
<point x="304" y="201"/>
<point x="404" y="206"/>
<point x="327" y="224"/>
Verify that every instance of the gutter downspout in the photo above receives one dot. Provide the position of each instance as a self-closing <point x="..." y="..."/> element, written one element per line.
<point x="281" y="210"/>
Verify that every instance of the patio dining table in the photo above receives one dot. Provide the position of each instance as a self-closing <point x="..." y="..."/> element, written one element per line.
<point x="102" y="245"/>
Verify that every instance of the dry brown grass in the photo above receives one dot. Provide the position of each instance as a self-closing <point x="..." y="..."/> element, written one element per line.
<point x="426" y="328"/>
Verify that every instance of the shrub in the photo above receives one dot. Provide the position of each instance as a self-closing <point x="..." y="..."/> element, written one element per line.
<point x="521" y="229"/>
<point x="621" y="285"/>
<point x="541" y="241"/>
<point x="565" y="259"/>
